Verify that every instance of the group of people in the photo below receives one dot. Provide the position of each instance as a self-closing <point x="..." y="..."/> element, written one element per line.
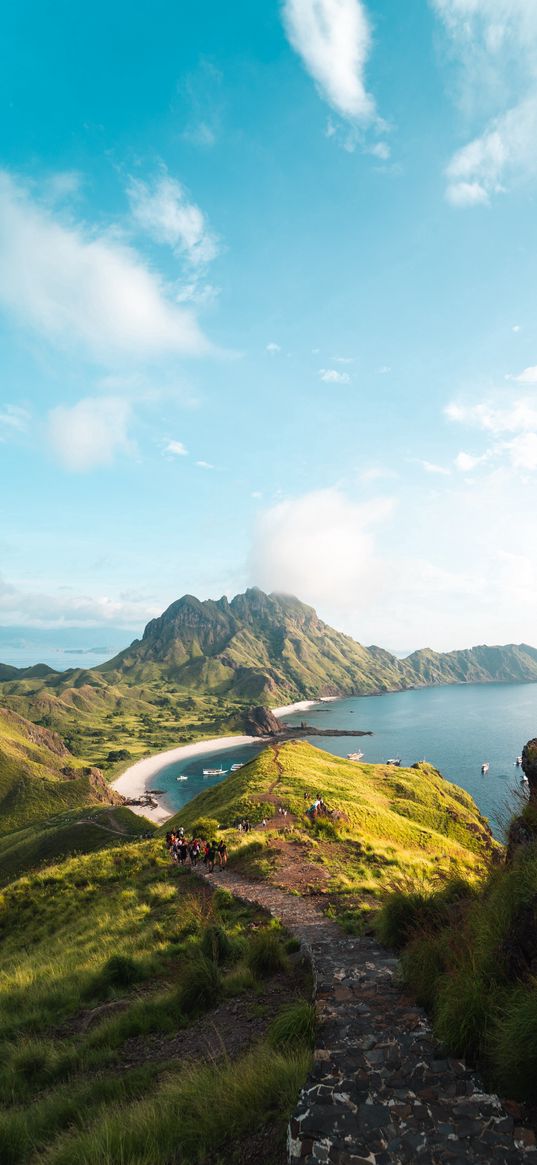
<point x="209" y="853"/>
<point x="316" y="808"/>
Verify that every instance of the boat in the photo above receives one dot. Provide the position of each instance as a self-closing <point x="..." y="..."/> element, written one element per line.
<point x="485" y="766"/>
<point x="214" y="772"/>
<point x="524" y="780"/>
<point x="235" y="768"/>
<point x="355" y="755"/>
<point x="518" y="761"/>
<point x="394" y="760"/>
<point x="182" y="778"/>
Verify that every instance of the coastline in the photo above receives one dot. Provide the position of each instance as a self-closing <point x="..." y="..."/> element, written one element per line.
<point x="136" y="780"/>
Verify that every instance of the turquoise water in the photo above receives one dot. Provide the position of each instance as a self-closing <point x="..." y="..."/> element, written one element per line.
<point x="455" y="728"/>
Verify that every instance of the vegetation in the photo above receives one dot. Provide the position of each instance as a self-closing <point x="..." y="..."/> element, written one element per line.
<point x="101" y="1058"/>
<point x="78" y="831"/>
<point x="470" y="956"/>
<point x="385" y="824"/>
<point x="200" y="665"/>
<point x="39" y="777"/>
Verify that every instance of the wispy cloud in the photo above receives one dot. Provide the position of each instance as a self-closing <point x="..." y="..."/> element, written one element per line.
<point x="513" y="424"/>
<point x="77" y="286"/>
<point x="332" y="376"/>
<point x="495" y="43"/>
<point x="431" y="467"/>
<point x="90" y="433"/>
<point x="163" y="210"/>
<point x="13" y="419"/>
<point x="175" y="449"/>
<point x="204" y="465"/>
<point x="333" y="39"/>
<point x="273" y="349"/>
<point x="39" y="608"/>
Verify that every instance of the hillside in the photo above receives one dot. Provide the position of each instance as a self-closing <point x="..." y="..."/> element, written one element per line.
<point x="139" y="1012"/>
<point x="384" y="823"/>
<point x="200" y="665"/>
<point x="39" y="777"/>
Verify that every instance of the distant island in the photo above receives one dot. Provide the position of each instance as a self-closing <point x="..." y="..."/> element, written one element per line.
<point x="200" y="667"/>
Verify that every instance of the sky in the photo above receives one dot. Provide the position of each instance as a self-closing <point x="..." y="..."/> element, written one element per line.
<point x="268" y="313"/>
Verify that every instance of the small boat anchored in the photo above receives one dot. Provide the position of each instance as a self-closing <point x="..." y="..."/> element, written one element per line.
<point x="214" y="772"/>
<point x="394" y="760"/>
<point x="485" y="767"/>
<point x="182" y="778"/>
<point x="518" y="761"/>
<point x="355" y="755"/>
<point x="235" y="768"/>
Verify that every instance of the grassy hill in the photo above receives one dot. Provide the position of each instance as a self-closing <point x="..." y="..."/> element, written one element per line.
<point x="39" y="777"/>
<point x="386" y="824"/>
<point x="75" y="832"/>
<point x="140" y="1013"/>
<point x="200" y="665"/>
<point x="469" y="954"/>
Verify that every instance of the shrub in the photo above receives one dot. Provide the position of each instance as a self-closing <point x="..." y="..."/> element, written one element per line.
<point x="215" y="944"/>
<point x="118" y="971"/>
<point x="266" y="955"/>
<point x="200" y="987"/>
<point x="514" y="1044"/>
<point x="205" y="827"/>
<point x="424" y="960"/>
<point x="293" y="1027"/>
<point x="465" y="1012"/>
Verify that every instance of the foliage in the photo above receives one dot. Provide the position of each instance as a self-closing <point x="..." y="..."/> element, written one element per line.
<point x="295" y="1025"/>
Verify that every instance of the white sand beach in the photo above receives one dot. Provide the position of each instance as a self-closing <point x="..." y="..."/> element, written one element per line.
<point x="302" y="706"/>
<point x="140" y="777"/>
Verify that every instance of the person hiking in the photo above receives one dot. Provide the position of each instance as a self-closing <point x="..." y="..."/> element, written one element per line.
<point x="222" y="854"/>
<point x="213" y="848"/>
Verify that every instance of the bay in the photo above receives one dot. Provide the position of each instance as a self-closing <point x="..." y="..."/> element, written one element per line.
<point x="456" y="728"/>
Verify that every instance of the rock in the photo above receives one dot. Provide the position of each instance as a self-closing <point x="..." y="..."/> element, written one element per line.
<point x="261" y="722"/>
<point x="529" y="766"/>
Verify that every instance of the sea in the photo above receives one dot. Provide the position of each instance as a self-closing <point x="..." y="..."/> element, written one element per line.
<point x="456" y="728"/>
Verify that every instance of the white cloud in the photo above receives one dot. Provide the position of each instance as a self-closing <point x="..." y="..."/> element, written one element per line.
<point x="204" y="465"/>
<point x="430" y="467"/>
<point x="320" y="547"/>
<point x="380" y="150"/>
<point x="517" y="328"/>
<point x="14" y="419"/>
<point x="176" y="449"/>
<point x="495" y="43"/>
<point x="273" y="348"/>
<point x="332" y="376"/>
<point x="466" y="462"/>
<point x="333" y="39"/>
<point x="523" y="451"/>
<point x="90" y="433"/>
<point x="343" y="359"/>
<point x="79" y="287"/>
<point x="21" y="605"/>
<point x="528" y="376"/>
<point x="517" y="416"/>
<point x="383" y="370"/>
<point x="163" y="211"/>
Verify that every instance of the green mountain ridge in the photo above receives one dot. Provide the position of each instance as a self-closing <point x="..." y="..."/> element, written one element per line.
<point x="201" y="664"/>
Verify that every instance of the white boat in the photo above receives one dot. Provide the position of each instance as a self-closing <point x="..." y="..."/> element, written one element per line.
<point x="235" y="768"/>
<point x="182" y="778"/>
<point x="214" y="772"/>
<point x="355" y="755"/>
<point x="524" y="780"/>
<point x="485" y="766"/>
<point x="518" y="761"/>
<point x="394" y="760"/>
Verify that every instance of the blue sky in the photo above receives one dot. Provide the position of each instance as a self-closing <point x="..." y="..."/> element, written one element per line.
<point x="267" y="312"/>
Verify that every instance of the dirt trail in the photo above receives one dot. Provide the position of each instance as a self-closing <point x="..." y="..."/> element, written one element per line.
<point x="382" y="1091"/>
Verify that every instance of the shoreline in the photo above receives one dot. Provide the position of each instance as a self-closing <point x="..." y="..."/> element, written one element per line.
<point x="136" y="780"/>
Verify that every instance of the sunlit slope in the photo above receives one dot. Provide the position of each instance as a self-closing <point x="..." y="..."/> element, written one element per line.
<point x="411" y="817"/>
<point x="79" y="831"/>
<point x="39" y="777"/>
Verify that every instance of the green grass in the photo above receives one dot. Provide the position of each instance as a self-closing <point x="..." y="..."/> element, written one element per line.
<point x="115" y="945"/>
<point x="390" y="824"/>
<point x="82" y="830"/>
<point x="471" y="960"/>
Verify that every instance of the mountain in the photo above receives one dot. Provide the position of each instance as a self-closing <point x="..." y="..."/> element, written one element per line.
<point x="201" y="664"/>
<point x="39" y="776"/>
